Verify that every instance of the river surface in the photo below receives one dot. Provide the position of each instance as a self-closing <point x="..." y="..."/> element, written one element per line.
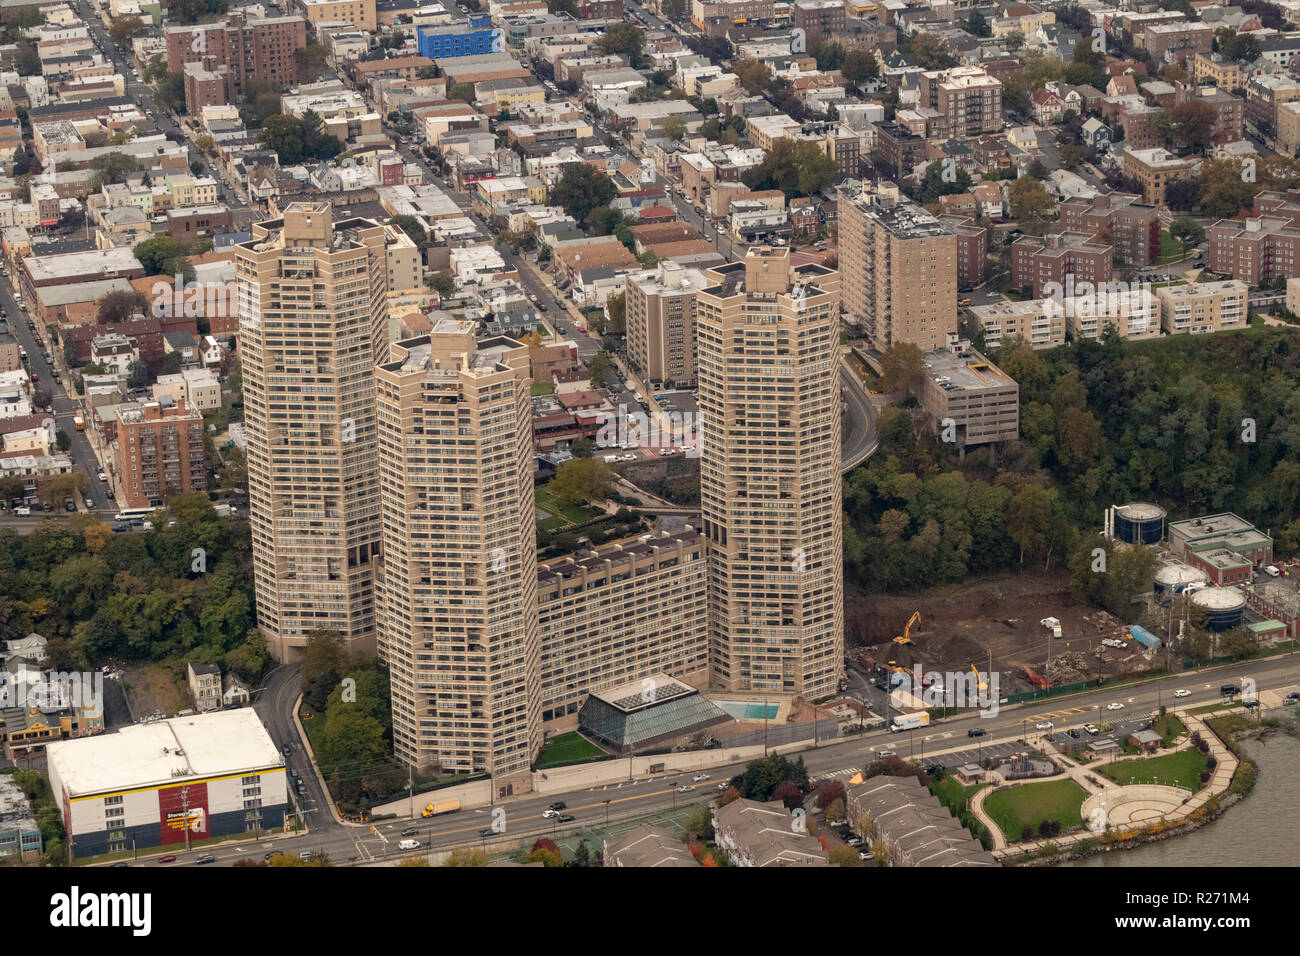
<point x="1247" y="834"/>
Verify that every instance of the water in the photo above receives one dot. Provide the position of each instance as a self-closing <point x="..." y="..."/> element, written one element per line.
<point x="746" y="710"/>
<point x="1247" y="834"/>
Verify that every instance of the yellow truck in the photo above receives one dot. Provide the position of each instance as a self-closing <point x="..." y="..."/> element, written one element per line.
<point x="79" y="422"/>
<point x="438" y="809"/>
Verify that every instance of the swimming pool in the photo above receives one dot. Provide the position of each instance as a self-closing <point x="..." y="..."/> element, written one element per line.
<point x="748" y="709"/>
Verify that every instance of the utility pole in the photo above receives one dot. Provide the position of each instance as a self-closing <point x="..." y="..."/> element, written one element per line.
<point x="185" y="809"/>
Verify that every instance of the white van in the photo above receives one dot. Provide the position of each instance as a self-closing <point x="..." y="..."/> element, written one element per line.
<point x="408" y="844"/>
<point x="23" y="512"/>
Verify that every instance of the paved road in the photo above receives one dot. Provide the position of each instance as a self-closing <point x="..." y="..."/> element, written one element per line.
<point x="946" y="743"/>
<point x="64" y="405"/>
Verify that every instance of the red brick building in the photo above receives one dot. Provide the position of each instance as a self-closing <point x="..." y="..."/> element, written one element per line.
<point x="1038" y="261"/>
<point x="1125" y="221"/>
<point x="160" y="452"/>
<point x="239" y="49"/>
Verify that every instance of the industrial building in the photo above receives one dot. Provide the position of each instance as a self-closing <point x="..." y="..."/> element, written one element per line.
<point x="1222" y="531"/>
<point x="168" y="784"/>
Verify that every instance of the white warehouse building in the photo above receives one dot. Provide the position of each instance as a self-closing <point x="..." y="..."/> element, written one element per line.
<point x="211" y="774"/>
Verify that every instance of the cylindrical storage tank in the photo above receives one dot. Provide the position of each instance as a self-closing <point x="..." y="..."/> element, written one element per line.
<point x="1173" y="579"/>
<point x="1140" y="523"/>
<point x="1225" y="608"/>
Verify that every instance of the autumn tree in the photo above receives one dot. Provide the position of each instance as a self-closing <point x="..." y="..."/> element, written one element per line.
<point x="1032" y="206"/>
<point x="902" y="368"/>
<point x="582" y="481"/>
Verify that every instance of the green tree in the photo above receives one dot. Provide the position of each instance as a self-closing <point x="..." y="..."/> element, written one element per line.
<point x="138" y="374"/>
<point x="582" y="481"/>
<point x="163" y="255"/>
<point x="599" y="368"/>
<point x="113" y="168"/>
<point x="581" y="189"/>
<point x="978" y="25"/>
<point x="120" y="304"/>
<point x="796" y="167"/>
<point x="443" y="283"/>
<point x="625" y="38"/>
<point x="753" y="74"/>
<point x="903" y="368"/>
<point x="1032" y="206"/>
<point x="1187" y="230"/>
<point x="860" y="66"/>
<point x="124" y="28"/>
<point x="616" y="313"/>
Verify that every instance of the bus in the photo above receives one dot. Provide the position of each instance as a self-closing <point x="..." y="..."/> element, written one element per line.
<point x="134" y="516"/>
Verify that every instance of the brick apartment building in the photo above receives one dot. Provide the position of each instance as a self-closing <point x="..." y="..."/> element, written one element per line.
<point x="967" y="96"/>
<point x="1037" y="261"/>
<point x="238" y="49"/>
<point x="972" y="249"/>
<point x="1127" y="223"/>
<point x="820" y="20"/>
<point x="160" y="452"/>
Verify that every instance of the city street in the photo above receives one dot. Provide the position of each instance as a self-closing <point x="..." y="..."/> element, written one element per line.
<point x="945" y="743"/>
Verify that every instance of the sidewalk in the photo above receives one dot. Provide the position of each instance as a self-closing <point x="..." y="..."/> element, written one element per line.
<point x="1221" y="779"/>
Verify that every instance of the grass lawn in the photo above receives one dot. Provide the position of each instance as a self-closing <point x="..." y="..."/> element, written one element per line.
<point x="1017" y="807"/>
<point x="952" y="794"/>
<point x="541" y="388"/>
<point x="1182" y="769"/>
<point x="569" y="514"/>
<point x="567" y="747"/>
<point x="1171" y="249"/>
<point x="1170" y="728"/>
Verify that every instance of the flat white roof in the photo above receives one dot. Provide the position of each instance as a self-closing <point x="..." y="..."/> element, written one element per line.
<point x="164" y="753"/>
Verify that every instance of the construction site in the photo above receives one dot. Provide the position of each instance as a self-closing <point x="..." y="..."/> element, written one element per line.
<point x="994" y="624"/>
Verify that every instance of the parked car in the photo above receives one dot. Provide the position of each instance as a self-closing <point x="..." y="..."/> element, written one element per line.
<point x="1073" y="733"/>
<point x="307" y="856"/>
<point x="1091" y="729"/>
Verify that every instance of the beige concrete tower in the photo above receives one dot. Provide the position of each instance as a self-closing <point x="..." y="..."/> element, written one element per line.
<point x="768" y="348"/>
<point x="457" y="589"/>
<point x="312" y="318"/>
<point x="900" y="272"/>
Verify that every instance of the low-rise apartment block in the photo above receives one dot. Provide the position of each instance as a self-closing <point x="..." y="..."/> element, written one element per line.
<point x="1035" y="321"/>
<point x="160" y="452"/>
<point x="1201" y="307"/>
<point x="1155" y="169"/>
<point x="1130" y="225"/>
<point x="1134" y="314"/>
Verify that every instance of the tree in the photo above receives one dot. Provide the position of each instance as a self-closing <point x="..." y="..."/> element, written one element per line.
<point x="845" y="856"/>
<point x="675" y="128"/>
<point x="616" y="314"/>
<point x="978" y="25"/>
<point x="465" y="857"/>
<point x="170" y="92"/>
<point x="581" y="189"/>
<point x="163" y="255"/>
<point x="1014" y="40"/>
<point x="625" y="38"/>
<point x="113" y="167"/>
<point x="582" y="481"/>
<point x="598" y="368"/>
<point x="789" y="794"/>
<point x="931" y="52"/>
<point x="944" y="179"/>
<point x="1031" y="204"/>
<point x="125" y="27"/>
<point x="753" y="74"/>
<point x="120" y="304"/>
<point x="1027" y="519"/>
<point x="443" y="283"/>
<point x="829" y="792"/>
<point x="310" y="60"/>
<point x="903" y="368"/>
<point x="673" y="10"/>
<point x="1187" y="125"/>
<point x="829" y="56"/>
<point x="1187" y="230"/>
<point x="138" y="374"/>
<point x="860" y="66"/>
<point x="63" y="440"/>
<point x="796" y="167"/>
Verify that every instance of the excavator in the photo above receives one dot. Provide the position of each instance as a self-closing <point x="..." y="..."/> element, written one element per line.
<point x="906" y="636"/>
<point x="980" y="683"/>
